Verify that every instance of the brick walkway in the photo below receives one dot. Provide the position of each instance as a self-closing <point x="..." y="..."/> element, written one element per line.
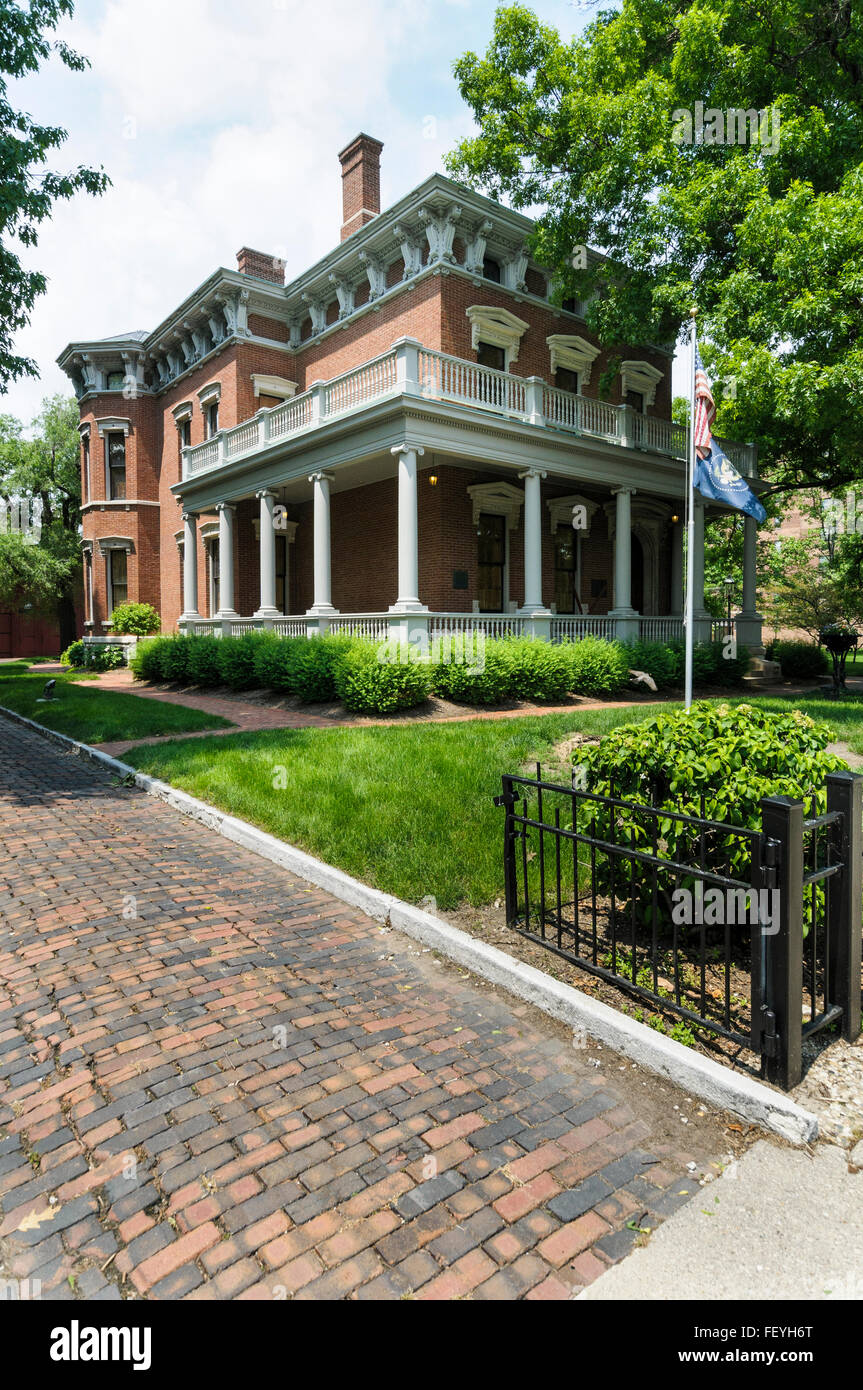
<point x="217" y="1082"/>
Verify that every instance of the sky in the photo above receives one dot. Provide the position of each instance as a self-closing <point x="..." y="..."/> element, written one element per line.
<point x="219" y="124"/>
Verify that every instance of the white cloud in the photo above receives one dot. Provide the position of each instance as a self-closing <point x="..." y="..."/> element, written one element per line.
<point x="219" y="122"/>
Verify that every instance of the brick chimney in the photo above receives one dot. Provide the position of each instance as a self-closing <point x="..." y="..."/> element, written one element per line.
<point x="361" y="183"/>
<point x="262" y="266"/>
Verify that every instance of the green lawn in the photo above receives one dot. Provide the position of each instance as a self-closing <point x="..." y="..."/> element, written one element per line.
<point x="97" y="716"/>
<point x="408" y="808"/>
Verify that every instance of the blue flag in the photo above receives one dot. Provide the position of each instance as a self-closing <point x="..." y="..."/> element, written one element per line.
<point x="718" y="479"/>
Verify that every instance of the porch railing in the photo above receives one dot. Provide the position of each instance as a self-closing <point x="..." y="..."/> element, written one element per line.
<point x="411" y="369"/>
<point x="376" y="626"/>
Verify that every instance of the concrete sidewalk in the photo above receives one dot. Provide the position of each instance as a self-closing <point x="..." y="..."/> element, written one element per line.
<point x="779" y="1224"/>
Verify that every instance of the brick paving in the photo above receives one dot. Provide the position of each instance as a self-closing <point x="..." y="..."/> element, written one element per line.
<point x="217" y="1082"/>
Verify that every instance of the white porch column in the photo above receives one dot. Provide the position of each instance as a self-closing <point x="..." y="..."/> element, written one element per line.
<point x="190" y="566"/>
<point x="408" y="542"/>
<point x="268" y="607"/>
<point x="626" y="626"/>
<point x="748" y="621"/>
<point x="533" y="543"/>
<point x="323" y="604"/>
<point x="226" y="561"/>
<point x="677" y="529"/>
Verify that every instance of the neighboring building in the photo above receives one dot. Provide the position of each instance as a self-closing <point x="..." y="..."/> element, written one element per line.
<point x="398" y="438"/>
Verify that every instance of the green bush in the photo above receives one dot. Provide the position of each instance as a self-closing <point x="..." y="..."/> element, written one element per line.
<point x="203" y="661"/>
<point x="237" y="658"/>
<point x="537" y="670"/>
<point x="729" y="755"/>
<point x="482" y="676"/>
<point x="274" y="663"/>
<point x="175" y="658"/>
<point x="136" y="619"/>
<point x="800" y="660"/>
<point x="73" y="655"/>
<point x="658" y="659"/>
<point x="146" y="664"/>
<point x="84" y="657"/>
<point x="375" y="678"/>
<point x="314" y="665"/>
<point x="597" y="667"/>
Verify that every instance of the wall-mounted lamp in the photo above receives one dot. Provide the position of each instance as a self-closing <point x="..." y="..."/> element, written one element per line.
<point x="675" y="519"/>
<point x="432" y="479"/>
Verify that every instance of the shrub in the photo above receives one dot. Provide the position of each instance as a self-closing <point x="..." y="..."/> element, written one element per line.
<point x="84" y="657"/>
<point x="313" y="667"/>
<point x="464" y="682"/>
<point x="146" y="664"/>
<point x="537" y="670"/>
<point x="203" y="661"/>
<point x="729" y="755"/>
<point x="137" y="619"/>
<point x="175" y="658"/>
<point x="377" y="679"/>
<point x="274" y="663"/>
<point x="73" y="655"/>
<point x="237" y="658"/>
<point x="658" y="659"/>
<point x="800" y="660"/>
<point x="597" y="667"/>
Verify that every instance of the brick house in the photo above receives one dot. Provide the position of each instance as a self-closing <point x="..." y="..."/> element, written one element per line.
<point x="409" y="435"/>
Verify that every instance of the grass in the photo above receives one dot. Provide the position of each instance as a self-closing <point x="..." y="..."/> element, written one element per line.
<point x="97" y="716"/>
<point x="408" y="808"/>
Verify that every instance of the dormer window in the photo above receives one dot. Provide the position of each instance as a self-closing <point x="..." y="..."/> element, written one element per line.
<point x="491" y="269"/>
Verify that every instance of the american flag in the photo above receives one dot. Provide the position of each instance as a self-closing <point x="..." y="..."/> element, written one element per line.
<point x="705" y="409"/>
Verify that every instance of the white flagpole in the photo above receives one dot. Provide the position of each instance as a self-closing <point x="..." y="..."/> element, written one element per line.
<point x="688" y="621"/>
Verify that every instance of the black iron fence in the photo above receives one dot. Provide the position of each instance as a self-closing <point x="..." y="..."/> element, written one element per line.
<point x="750" y="935"/>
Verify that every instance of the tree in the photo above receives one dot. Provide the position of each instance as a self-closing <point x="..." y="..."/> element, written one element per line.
<point x="43" y="574"/>
<point x="29" y="191"/>
<point x="756" y="218"/>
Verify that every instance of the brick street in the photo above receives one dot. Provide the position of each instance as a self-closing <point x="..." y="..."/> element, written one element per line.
<point x="217" y="1082"/>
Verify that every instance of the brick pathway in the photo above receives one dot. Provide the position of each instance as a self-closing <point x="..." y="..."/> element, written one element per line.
<point x="217" y="1082"/>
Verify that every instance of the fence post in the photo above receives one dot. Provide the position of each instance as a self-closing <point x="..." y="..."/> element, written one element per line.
<point x="507" y="800"/>
<point x="782" y="820"/>
<point x="844" y="926"/>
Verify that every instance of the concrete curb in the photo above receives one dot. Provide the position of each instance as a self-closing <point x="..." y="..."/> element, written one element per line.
<point x="718" y="1085"/>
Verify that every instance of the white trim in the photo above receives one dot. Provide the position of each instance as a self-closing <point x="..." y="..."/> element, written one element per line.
<point x="114" y="424"/>
<point x="641" y="377"/>
<point x="210" y="394"/>
<point x="561" y="511"/>
<point x="182" y="412"/>
<point x="574" y="354"/>
<point x="126" y="502"/>
<point x="498" y="327"/>
<point x="278" y="386"/>
<point x="497" y="499"/>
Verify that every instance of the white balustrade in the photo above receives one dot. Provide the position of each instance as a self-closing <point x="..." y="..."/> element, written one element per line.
<point x="572" y="627"/>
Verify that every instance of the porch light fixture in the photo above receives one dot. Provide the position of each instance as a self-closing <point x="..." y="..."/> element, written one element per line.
<point x="675" y="519"/>
<point x="432" y="479"/>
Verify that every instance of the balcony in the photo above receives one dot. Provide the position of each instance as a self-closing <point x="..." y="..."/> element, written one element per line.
<point x="412" y="370"/>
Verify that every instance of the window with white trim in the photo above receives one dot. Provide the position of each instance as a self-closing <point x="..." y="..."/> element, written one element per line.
<point x="115" y="465"/>
<point x="117" y="573"/>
